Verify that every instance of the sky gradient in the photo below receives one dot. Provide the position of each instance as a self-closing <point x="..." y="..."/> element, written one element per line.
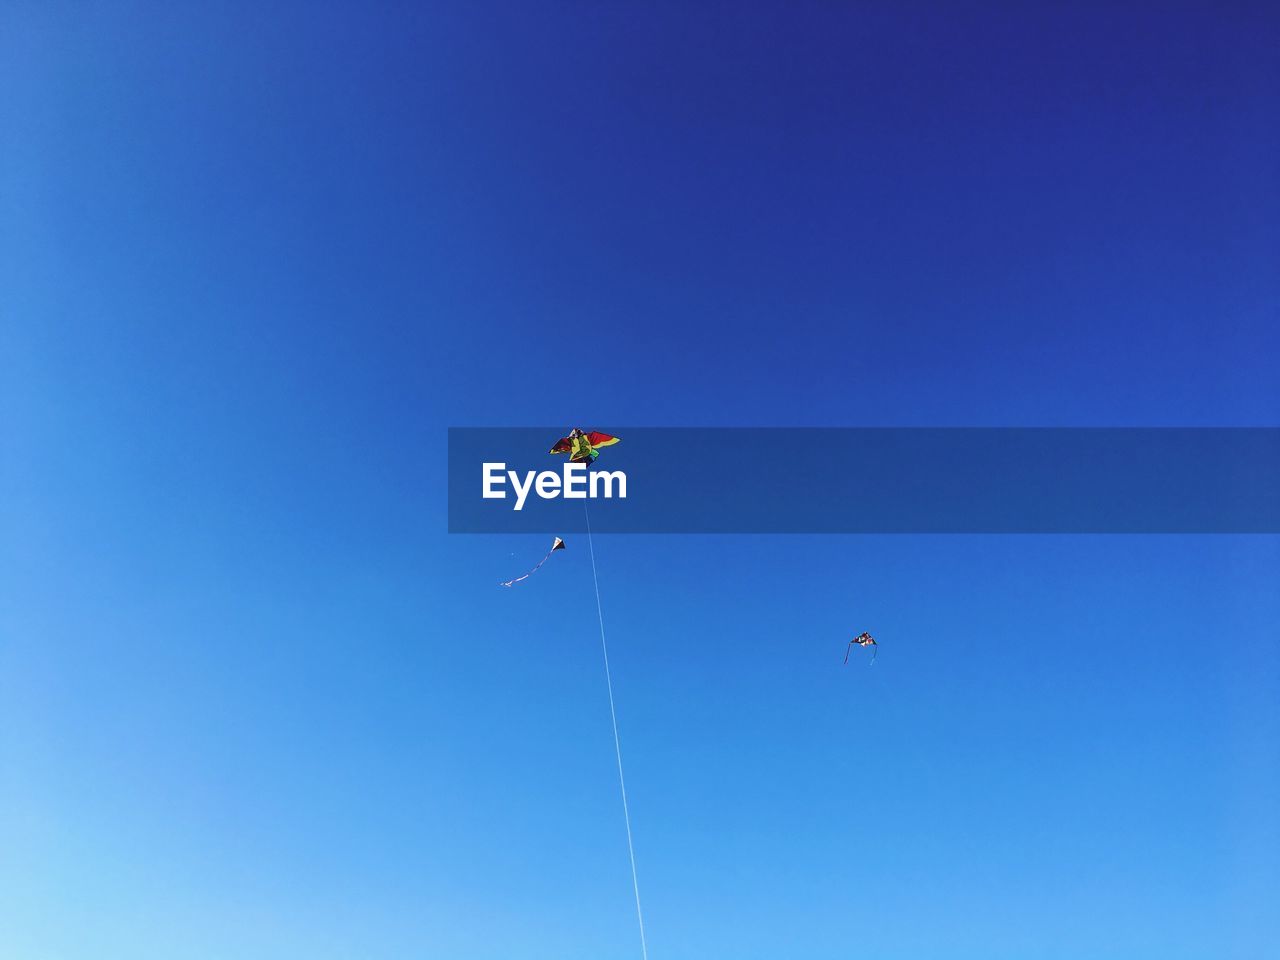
<point x="255" y="259"/>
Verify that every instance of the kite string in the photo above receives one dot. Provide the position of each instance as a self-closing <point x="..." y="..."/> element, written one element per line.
<point x="617" y="745"/>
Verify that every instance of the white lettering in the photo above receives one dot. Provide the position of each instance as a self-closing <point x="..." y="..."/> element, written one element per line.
<point x="575" y="484"/>
<point x="493" y="475"/>
<point x="548" y="485"/>
<point x="521" y="491"/>
<point x="606" y="479"/>
<point x="575" y="481"/>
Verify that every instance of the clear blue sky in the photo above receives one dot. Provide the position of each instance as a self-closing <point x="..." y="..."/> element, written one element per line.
<point x="255" y="258"/>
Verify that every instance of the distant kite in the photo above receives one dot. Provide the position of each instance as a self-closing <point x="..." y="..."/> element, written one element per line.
<point x="558" y="545"/>
<point x="862" y="640"/>
<point x="583" y="447"/>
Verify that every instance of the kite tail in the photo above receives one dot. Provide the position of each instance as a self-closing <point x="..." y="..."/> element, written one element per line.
<point x="846" y="653"/>
<point x="617" y="744"/>
<point x="874" y="653"/>
<point x="507" y="583"/>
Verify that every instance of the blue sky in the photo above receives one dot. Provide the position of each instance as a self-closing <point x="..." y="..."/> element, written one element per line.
<point x="254" y="259"/>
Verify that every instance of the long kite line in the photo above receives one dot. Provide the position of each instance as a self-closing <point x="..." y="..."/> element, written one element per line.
<point x="617" y="746"/>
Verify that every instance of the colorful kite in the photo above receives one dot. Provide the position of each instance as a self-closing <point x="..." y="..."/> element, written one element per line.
<point x="558" y="545"/>
<point x="862" y="640"/>
<point x="583" y="447"/>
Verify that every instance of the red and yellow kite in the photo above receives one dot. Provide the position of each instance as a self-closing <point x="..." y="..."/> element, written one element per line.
<point x="583" y="447"/>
